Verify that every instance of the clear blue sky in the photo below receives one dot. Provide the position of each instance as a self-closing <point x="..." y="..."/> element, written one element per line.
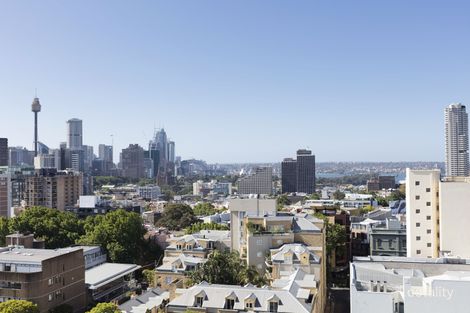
<point x="236" y="81"/>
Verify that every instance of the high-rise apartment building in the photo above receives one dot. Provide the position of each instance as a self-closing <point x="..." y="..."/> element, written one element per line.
<point x="4" y="153"/>
<point x="259" y="182"/>
<point x="20" y="156"/>
<point x="74" y="134"/>
<point x="132" y="162"/>
<point x="53" y="189"/>
<point x="456" y="128"/>
<point x="422" y="213"/>
<point x="299" y="175"/>
<point x="5" y="195"/>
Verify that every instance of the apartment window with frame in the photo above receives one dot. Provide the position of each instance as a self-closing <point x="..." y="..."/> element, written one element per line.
<point x="418" y="251"/>
<point x="429" y="245"/>
<point x="428" y="231"/>
<point x="428" y="189"/>
<point x="418" y="238"/>
<point x="417" y="197"/>
<point x="418" y="211"/>
<point x="428" y="203"/>
<point x="417" y="183"/>
<point x="418" y="224"/>
<point x="428" y="217"/>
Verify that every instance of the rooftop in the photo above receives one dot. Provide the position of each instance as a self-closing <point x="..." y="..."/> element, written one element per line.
<point x="33" y="256"/>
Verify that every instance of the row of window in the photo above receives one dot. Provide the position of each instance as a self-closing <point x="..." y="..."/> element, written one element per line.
<point x="230" y="304"/>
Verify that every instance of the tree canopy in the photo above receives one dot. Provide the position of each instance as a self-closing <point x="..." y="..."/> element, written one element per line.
<point x="177" y="217"/>
<point x="18" y="306"/>
<point x="58" y="229"/>
<point x="119" y="232"/>
<point x="226" y="268"/>
<point x="195" y="228"/>
<point x="105" y="308"/>
<point x="204" y="209"/>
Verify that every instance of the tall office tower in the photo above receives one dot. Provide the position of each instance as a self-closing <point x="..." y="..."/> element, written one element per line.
<point x="53" y="189"/>
<point x="171" y="151"/>
<point x="4" y="152"/>
<point x="160" y="143"/>
<point x="36" y="108"/>
<point x="289" y="175"/>
<point x="74" y="134"/>
<point x="42" y="148"/>
<point x="132" y="162"/>
<point x="260" y="182"/>
<point x="305" y="171"/>
<point x="88" y="157"/>
<point x="105" y="153"/>
<point x="20" y="156"/>
<point x="422" y="213"/>
<point x="456" y="125"/>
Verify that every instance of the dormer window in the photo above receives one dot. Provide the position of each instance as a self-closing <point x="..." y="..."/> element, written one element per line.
<point x="189" y="247"/>
<point x="230" y="301"/>
<point x="249" y="305"/>
<point x="179" y="247"/>
<point x="200" y="301"/>
<point x="229" y="304"/>
<point x="273" y="306"/>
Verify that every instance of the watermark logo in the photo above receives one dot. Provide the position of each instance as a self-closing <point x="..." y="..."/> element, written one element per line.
<point x="435" y="292"/>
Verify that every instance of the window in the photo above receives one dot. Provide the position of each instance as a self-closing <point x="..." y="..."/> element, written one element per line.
<point x="418" y="251"/>
<point x="249" y="305"/>
<point x="418" y="224"/>
<point x="428" y="203"/>
<point x="428" y="189"/>
<point x="417" y="183"/>
<point x="418" y="211"/>
<point x="379" y="243"/>
<point x="273" y="307"/>
<point x="417" y="197"/>
<point x="8" y="268"/>
<point x="50" y="281"/>
<point x="199" y="301"/>
<point x="429" y="245"/>
<point x="51" y="296"/>
<point x="428" y="217"/>
<point x="428" y="231"/>
<point x="418" y="238"/>
<point x="229" y="303"/>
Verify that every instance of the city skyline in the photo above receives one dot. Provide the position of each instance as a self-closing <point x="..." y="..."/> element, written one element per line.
<point x="229" y="92"/>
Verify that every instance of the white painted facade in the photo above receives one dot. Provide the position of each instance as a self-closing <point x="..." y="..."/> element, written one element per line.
<point x="422" y="213"/>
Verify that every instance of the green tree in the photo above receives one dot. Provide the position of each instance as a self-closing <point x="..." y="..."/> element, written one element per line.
<point x="119" y="232"/>
<point x="282" y="201"/>
<point x="396" y="195"/>
<point x="195" y="228"/>
<point x="338" y="195"/>
<point x="4" y="230"/>
<point x="149" y="277"/>
<point x="58" y="229"/>
<point x="226" y="268"/>
<point x="335" y="237"/>
<point x="18" y="306"/>
<point x="366" y="209"/>
<point x="204" y="209"/>
<point x="105" y="308"/>
<point x="177" y="217"/>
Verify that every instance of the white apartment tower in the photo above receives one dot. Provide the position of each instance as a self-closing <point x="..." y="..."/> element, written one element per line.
<point x="456" y="125"/>
<point x="422" y="213"/>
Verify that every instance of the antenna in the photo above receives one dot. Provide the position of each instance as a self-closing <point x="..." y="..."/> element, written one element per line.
<point x="35" y="92"/>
